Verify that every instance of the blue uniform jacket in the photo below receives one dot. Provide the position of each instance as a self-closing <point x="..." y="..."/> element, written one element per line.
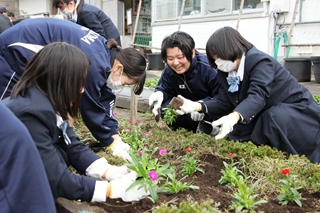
<point x="276" y="109"/>
<point x="31" y="35"/>
<point x="199" y="82"/>
<point x="24" y="186"/>
<point x="37" y="114"/>
<point x="96" y="20"/>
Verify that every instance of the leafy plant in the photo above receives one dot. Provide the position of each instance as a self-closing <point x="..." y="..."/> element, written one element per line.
<point x="317" y="98"/>
<point x="244" y="197"/>
<point x="149" y="171"/>
<point x="231" y="174"/>
<point x="152" y="83"/>
<point x="175" y="185"/>
<point x="289" y="193"/>
<point x="190" y="165"/>
<point x="169" y="115"/>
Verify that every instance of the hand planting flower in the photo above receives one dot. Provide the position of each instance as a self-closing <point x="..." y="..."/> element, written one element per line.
<point x="153" y="175"/>
<point x="188" y="149"/>
<point x="163" y="152"/>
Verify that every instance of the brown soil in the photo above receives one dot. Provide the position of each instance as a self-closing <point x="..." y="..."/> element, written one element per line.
<point x="208" y="188"/>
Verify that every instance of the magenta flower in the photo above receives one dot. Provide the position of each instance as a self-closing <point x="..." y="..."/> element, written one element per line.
<point x="139" y="152"/>
<point x="137" y="121"/>
<point x="153" y="175"/>
<point x="146" y="134"/>
<point x="115" y="113"/>
<point x="163" y="152"/>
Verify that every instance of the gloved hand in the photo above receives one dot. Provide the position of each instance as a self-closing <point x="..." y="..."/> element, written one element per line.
<point x="226" y="124"/>
<point x="118" y="189"/>
<point x="188" y="106"/>
<point x="119" y="148"/>
<point x="196" y="116"/>
<point x="101" y="169"/>
<point x="158" y="98"/>
<point x="116" y="172"/>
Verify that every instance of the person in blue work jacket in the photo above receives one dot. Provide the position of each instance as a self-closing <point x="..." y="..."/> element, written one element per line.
<point x="187" y="73"/>
<point x="47" y="99"/>
<point x="24" y="186"/>
<point x="111" y="68"/>
<point x="88" y="16"/>
<point x="260" y="100"/>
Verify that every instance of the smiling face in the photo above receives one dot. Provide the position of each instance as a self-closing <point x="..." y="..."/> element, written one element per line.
<point x="177" y="60"/>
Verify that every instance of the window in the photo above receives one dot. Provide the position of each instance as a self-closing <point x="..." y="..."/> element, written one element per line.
<point x="191" y="7"/>
<point x="166" y="10"/>
<point x="170" y="9"/>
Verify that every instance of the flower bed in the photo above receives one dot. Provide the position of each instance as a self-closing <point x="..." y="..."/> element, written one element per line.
<point x="209" y="192"/>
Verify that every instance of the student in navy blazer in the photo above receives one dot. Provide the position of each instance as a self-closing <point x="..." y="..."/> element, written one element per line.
<point x="262" y="102"/>
<point x="187" y="73"/>
<point x="89" y="16"/>
<point x="47" y="99"/>
<point x="24" y="186"/>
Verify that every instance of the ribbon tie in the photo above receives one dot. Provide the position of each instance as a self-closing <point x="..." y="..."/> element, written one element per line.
<point x="63" y="127"/>
<point x="234" y="83"/>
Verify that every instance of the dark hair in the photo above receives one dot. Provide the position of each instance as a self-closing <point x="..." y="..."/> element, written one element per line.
<point x="181" y="40"/>
<point x="55" y="4"/>
<point x="59" y="70"/>
<point x="227" y="44"/>
<point x="134" y="63"/>
<point x="11" y="14"/>
<point x="18" y="20"/>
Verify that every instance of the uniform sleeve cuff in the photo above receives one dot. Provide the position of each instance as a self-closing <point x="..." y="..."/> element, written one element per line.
<point x="100" y="191"/>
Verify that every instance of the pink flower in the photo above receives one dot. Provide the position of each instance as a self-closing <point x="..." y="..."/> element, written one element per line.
<point x="188" y="149"/>
<point x="137" y="121"/>
<point x="115" y="113"/>
<point x="163" y="152"/>
<point x="146" y="134"/>
<point x="145" y="146"/>
<point x="153" y="175"/>
<point x="139" y="152"/>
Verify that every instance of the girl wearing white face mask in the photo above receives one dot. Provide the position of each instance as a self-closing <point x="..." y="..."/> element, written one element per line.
<point x="89" y="16"/>
<point x="262" y="102"/>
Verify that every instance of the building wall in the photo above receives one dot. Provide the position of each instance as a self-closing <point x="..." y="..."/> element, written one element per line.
<point x="259" y="28"/>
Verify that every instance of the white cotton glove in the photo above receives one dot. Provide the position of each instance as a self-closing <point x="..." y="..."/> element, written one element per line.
<point x="116" y="172"/>
<point x="118" y="189"/>
<point x="187" y="106"/>
<point x="121" y="149"/>
<point x="226" y="124"/>
<point x="196" y="116"/>
<point x="158" y="98"/>
<point x="101" y="169"/>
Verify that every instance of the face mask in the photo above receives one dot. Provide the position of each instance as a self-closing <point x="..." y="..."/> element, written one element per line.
<point x="67" y="12"/>
<point x="114" y="85"/>
<point x="226" y="66"/>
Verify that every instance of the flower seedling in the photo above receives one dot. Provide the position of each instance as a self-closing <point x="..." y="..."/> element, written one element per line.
<point x="231" y="173"/>
<point x="169" y="115"/>
<point x="190" y="165"/>
<point x="174" y="185"/>
<point x="289" y="193"/>
<point x="244" y="197"/>
<point x="149" y="171"/>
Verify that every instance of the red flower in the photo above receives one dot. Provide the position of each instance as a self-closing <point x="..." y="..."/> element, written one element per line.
<point x="230" y="155"/>
<point x="285" y="171"/>
<point x="188" y="149"/>
<point x="130" y="121"/>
